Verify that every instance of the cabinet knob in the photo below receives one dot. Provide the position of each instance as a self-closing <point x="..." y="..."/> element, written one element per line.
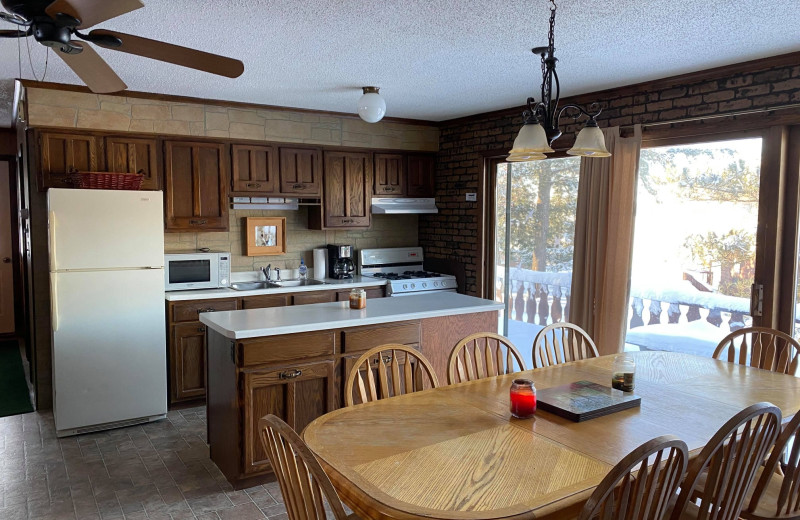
<point x="198" y="221"/>
<point x="207" y="309"/>
<point x="299" y="186"/>
<point x="291" y="374"/>
<point x="388" y="188"/>
<point x="6" y="260"/>
<point x="201" y="329"/>
<point x="347" y="221"/>
<point x="253" y="184"/>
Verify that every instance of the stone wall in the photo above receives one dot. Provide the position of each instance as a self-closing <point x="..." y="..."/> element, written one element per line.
<point x="465" y="143"/>
<point x="386" y="231"/>
<point x="118" y="113"/>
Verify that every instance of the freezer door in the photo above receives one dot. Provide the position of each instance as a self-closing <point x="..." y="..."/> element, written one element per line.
<point x="109" y="346"/>
<point x="105" y="229"/>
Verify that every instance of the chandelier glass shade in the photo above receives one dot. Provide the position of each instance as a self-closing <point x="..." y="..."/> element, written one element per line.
<point x="541" y="119"/>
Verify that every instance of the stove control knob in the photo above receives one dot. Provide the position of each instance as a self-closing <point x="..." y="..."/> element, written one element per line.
<point x="405" y="286"/>
<point x="413" y="286"/>
<point x="424" y="285"/>
<point x="436" y="284"/>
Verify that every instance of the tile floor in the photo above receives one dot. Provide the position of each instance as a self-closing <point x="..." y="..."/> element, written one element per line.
<point x="158" y="471"/>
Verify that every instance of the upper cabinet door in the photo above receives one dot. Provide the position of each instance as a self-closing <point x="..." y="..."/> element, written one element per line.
<point x="390" y="175"/>
<point x="195" y="186"/>
<point x="347" y="197"/>
<point x="135" y="155"/>
<point x="60" y="153"/>
<point x="420" y="175"/>
<point x="254" y="170"/>
<point x="301" y="171"/>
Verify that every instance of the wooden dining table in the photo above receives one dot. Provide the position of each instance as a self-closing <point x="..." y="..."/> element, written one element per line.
<point x="455" y="452"/>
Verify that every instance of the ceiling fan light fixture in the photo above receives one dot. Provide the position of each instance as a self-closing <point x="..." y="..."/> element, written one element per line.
<point x="590" y="142"/>
<point x="371" y="106"/>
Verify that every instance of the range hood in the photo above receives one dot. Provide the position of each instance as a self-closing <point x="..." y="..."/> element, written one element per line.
<point x="403" y="206"/>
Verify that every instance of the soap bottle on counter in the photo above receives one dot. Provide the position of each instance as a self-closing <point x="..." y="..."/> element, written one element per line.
<point x="302" y="271"/>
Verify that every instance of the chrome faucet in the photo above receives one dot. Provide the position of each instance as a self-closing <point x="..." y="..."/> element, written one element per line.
<point x="277" y="274"/>
<point x="266" y="271"/>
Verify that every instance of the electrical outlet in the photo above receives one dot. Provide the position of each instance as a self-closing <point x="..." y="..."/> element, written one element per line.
<point x="472" y="197"/>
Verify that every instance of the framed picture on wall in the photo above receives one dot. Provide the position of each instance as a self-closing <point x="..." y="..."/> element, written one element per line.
<point x="265" y="235"/>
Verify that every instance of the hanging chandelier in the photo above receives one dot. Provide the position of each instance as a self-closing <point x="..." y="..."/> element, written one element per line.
<point x="541" y="120"/>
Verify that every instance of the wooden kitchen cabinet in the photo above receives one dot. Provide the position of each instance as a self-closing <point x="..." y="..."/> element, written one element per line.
<point x="186" y="352"/>
<point x="188" y="361"/>
<point x="254" y="170"/>
<point x="390" y="175"/>
<point x="420" y="174"/>
<point x="372" y="292"/>
<point x="195" y="186"/>
<point x="62" y="152"/>
<point x="346" y="192"/>
<point x="300" y="171"/>
<point x="134" y="155"/>
<point x="266" y="301"/>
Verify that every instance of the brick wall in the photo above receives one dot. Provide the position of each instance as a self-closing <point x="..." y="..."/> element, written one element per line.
<point x="464" y="143"/>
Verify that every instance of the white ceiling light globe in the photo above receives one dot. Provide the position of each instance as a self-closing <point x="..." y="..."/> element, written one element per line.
<point x="371" y="106"/>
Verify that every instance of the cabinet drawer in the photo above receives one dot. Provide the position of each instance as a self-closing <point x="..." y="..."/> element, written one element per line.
<point x="190" y="311"/>
<point x="314" y="297"/>
<point x="359" y="340"/>
<point x="372" y="292"/>
<point x="263" y="302"/>
<point x="288" y="347"/>
<point x="350" y="361"/>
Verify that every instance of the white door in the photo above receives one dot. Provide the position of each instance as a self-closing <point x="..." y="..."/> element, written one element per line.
<point x="109" y="346"/>
<point x="6" y="266"/>
<point x="105" y="229"/>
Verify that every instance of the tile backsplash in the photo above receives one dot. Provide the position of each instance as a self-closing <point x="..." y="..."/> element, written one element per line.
<point x="386" y="231"/>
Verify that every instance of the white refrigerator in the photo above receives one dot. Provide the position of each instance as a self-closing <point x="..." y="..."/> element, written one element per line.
<point x="107" y="315"/>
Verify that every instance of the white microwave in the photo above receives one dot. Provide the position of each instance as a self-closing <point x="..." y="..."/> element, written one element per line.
<point x="183" y="271"/>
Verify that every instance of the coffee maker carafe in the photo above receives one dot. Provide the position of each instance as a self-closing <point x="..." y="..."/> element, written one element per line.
<point x="340" y="260"/>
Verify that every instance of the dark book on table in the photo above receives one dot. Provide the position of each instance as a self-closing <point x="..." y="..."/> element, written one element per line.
<point x="584" y="400"/>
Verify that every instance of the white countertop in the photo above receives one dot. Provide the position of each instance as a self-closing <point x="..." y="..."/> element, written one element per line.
<point x="254" y="323"/>
<point x="330" y="285"/>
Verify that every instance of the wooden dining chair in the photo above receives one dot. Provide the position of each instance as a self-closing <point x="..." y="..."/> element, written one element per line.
<point x="636" y="489"/>
<point x="400" y="370"/>
<point x="777" y="491"/>
<point x="718" y="479"/>
<point x="482" y="355"/>
<point x="760" y="347"/>
<point x="303" y="482"/>
<point x="560" y="343"/>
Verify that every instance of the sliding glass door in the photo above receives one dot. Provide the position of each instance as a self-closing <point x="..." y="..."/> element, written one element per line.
<point x="695" y="241"/>
<point x="533" y="212"/>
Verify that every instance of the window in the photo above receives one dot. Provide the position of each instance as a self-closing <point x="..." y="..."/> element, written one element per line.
<point x="694" y="248"/>
<point x="534" y="220"/>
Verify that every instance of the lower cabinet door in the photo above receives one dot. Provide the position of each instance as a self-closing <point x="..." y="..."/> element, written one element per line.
<point x="304" y="298"/>
<point x="297" y="394"/>
<point x="188" y="361"/>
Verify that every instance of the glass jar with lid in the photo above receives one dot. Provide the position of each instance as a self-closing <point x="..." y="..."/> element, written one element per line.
<point x="358" y="299"/>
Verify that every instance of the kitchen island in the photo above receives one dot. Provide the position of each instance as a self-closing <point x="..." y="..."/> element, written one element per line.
<point x="292" y="362"/>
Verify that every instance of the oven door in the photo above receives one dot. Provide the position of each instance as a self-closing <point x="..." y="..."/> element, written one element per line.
<point x="182" y="272"/>
<point x="417" y="293"/>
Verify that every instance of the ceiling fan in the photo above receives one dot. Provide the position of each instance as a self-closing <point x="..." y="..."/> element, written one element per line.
<point x="55" y="24"/>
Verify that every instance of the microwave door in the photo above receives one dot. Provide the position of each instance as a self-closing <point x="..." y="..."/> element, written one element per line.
<point x="192" y="273"/>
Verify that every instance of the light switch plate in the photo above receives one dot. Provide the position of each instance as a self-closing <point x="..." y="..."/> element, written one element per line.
<point x="472" y="197"/>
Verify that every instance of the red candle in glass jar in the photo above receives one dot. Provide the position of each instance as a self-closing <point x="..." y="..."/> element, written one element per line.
<point x="523" y="398"/>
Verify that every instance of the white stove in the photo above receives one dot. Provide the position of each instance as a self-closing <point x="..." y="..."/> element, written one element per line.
<point x="402" y="268"/>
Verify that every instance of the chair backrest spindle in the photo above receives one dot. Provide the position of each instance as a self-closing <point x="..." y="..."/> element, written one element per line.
<point x="561" y="343"/>
<point x="483" y="354"/>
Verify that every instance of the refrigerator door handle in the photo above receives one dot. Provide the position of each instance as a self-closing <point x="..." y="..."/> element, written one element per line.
<point x="54" y="301"/>
<point x="53" y="262"/>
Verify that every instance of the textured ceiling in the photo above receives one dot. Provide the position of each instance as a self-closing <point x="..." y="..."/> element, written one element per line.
<point x="432" y="60"/>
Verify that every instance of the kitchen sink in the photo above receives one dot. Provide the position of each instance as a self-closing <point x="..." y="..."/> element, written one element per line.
<point x="251" y="286"/>
<point x="254" y="286"/>
<point x="296" y="283"/>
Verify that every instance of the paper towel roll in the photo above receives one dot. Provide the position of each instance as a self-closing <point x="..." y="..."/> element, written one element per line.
<point x="320" y="263"/>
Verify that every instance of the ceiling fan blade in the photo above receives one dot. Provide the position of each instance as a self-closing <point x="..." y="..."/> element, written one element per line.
<point x="92" y="69"/>
<point x="175" y="54"/>
<point x="92" y="12"/>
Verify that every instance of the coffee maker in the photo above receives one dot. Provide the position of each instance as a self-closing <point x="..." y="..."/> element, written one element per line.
<point x="340" y="261"/>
